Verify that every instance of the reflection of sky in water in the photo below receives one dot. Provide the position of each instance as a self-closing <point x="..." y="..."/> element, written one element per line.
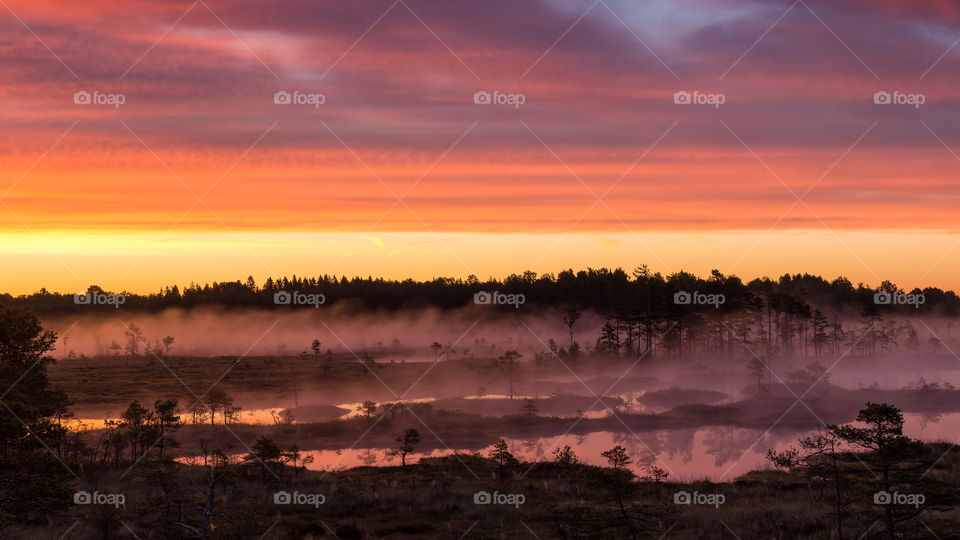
<point x="251" y="416"/>
<point x="713" y="452"/>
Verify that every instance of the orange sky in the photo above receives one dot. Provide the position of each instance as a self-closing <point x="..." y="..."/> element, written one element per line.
<point x="198" y="175"/>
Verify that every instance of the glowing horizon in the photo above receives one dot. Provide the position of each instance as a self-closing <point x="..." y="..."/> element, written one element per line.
<point x="199" y="171"/>
<point x="146" y="263"/>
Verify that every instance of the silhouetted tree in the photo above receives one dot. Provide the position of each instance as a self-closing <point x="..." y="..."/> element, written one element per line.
<point x="406" y="442"/>
<point x="167" y="343"/>
<point x="502" y="456"/>
<point x="565" y="456"/>
<point x="818" y="457"/>
<point x="509" y="359"/>
<point x="33" y="482"/>
<point x="889" y="452"/>
<point x="368" y="408"/>
<point x="617" y="457"/>
<point x="167" y="419"/>
<point x="570" y="317"/>
<point x="530" y="408"/>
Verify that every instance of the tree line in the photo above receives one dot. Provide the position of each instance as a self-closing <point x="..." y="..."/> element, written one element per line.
<point x="602" y="290"/>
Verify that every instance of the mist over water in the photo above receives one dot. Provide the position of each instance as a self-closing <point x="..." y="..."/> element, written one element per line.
<point x="215" y="332"/>
<point x="477" y="336"/>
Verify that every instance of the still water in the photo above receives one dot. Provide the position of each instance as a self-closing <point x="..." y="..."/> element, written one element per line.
<point x="717" y="453"/>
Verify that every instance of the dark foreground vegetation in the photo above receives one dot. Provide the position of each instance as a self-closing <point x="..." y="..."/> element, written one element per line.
<point x="863" y="480"/>
<point x="268" y="494"/>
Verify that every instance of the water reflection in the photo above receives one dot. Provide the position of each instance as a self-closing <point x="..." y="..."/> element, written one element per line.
<point x="712" y="452"/>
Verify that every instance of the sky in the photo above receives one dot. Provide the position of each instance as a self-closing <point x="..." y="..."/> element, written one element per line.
<point x="154" y="143"/>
